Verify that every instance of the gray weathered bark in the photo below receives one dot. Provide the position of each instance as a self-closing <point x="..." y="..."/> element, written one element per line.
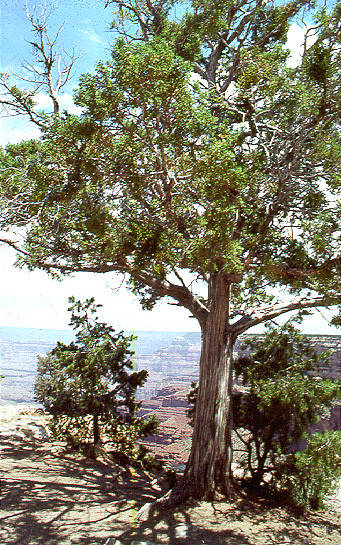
<point x="209" y="466"/>
<point x="96" y="436"/>
<point x="208" y="470"/>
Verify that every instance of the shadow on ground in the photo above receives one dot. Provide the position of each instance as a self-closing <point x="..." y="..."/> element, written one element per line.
<point x="205" y="525"/>
<point x="52" y="496"/>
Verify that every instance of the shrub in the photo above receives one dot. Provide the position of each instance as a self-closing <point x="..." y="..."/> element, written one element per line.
<point x="89" y="385"/>
<point x="282" y="398"/>
<point x="272" y="413"/>
<point x="309" y="475"/>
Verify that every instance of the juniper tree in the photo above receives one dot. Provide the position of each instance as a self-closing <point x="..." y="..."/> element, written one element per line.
<point x="284" y="397"/>
<point x="89" y="385"/>
<point x="205" y="170"/>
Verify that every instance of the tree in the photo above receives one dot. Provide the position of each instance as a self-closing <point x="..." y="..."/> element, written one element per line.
<point x="88" y="385"/>
<point x="48" y="72"/>
<point x="272" y="414"/>
<point x="283" y="397"/>
<point x="203" y="169"/>
<point x="312" y="474"/>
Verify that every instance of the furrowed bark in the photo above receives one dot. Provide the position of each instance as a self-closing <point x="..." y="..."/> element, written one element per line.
<point x="208" y="470"/>
<point x="209" y="466"/>
<point x="96" y="435"/>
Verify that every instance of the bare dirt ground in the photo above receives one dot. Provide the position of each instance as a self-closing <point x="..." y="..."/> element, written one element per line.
<point x="51" y="496"/>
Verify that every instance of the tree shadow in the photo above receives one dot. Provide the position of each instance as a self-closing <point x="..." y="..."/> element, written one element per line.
<point x="167" y="528"/>
<point x="47" y="497"/>
<point x="54" y="496"/>
<point x="230" y="525"/>
<point x="29" y="529"/>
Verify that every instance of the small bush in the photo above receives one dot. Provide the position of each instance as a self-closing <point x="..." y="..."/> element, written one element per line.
<point x="311" y="474"/>
<point x="89" y="387"/>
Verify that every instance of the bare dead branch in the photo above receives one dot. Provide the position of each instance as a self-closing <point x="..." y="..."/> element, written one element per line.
<point x="53" y="72"/>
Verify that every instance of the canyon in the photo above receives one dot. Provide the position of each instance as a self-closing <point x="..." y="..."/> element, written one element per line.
<point x="172" y="362"/>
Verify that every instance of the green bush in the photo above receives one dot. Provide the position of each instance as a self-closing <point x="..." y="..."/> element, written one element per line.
<point x="282" y="397"/>
<point x="309" y="475"/>
<point x="89" y="385"/>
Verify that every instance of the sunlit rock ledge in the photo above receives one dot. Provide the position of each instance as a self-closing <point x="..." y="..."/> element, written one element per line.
<point x="23" y="421"/>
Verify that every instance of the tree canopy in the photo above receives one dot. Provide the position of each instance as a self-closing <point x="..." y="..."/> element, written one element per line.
<point x="199" y="150"/>
<point x="186" y="161"/>
<point x="204" y="168"/>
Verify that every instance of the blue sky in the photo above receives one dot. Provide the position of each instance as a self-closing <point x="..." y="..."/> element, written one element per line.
<point x="33" y="299"/>
<point x="86" y="29"/>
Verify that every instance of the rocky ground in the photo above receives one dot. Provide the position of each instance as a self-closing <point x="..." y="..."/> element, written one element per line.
<point x="51" y="495"/>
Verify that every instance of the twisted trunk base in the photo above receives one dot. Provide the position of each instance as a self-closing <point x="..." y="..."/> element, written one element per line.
<point x="208" y="470"/>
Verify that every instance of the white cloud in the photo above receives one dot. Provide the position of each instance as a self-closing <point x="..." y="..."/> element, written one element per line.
<point x="18" y="128"/>
<point x="12" y="131"/>
<point x="66" y="103"/>
<point x="91" y="35"/>
<point x="43" y="102"/>
<point x="33" y="299"/>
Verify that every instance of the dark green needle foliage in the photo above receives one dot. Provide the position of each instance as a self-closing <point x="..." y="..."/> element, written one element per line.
<point x="310" y="475"/>
<point x="89" y="385"/>
<point x="280" y="399"/>
<point x="283" y="399"/>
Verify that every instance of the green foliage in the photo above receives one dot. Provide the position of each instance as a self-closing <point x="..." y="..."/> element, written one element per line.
<point x="89" y="387"/>
<point x="282" y="399"/>
<point x="310" y="475"/>
<point x="271" y="415"/>
<point x="191" y="398"/>
<point x="170" y="170"/>
<point x="202" y="161"/>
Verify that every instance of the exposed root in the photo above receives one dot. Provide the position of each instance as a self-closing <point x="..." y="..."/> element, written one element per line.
<point x="173" y="498"/>
<point x="177" y="496"/>
<point x="147" y="511"/>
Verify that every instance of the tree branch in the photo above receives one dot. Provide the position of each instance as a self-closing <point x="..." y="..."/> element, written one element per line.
<point x="246" y="322"/>
<point x="180" y="293"/>
<point x="55" y="72"/>
<point x="165" y="289"/>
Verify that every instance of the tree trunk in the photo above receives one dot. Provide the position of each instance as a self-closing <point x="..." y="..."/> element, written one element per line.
<point x="209" y="466"/>
<point x="208" y="470"/>
<point x="95" y="430"/>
